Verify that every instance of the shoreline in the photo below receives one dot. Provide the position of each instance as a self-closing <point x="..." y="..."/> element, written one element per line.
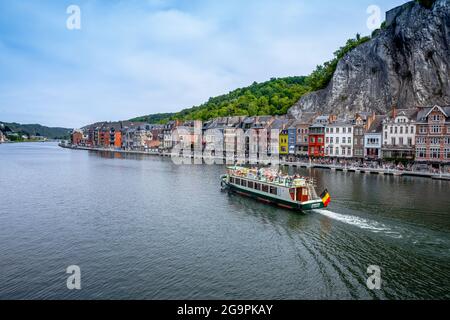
<point x="307" y="165"/>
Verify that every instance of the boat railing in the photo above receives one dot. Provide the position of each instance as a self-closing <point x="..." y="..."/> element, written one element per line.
<point x="288" y="182"/>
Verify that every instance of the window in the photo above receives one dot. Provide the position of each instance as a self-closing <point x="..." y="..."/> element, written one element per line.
<point x="421" y="153"/>
<point x="244" y="183"/>
<point x="391" y="129"/>
<point x="313" y="140"/>
<point x="349" y="140"/>
<point x="385" y="135"/>
<point x="231" y="180"/>
<point x="447" y="153"/>
<point x="435" y="153"/>
<point x="251" y="184"/>
<point x="331" y="140"/>
<point x="409" y="141"/>
<point x="337" y="130"/>
<point x="337" y="139"/>
<point x="393" y="141"/>
<point x="401" y="141"/>
<point x="401" y="130"/>
<point x="396" y="130"/>
<point x="319" y="140"/>
<point x="265" y="188"/>
<point x="436" y="117"/>
<point x="412" y="129"/>
<point x="423" y="129"/>
<point x="343" y="140"/>
<point x="257" y="186"/>
<point x="447" y="140"/>
<point x="435" y="140"/>
<point x="406" y="129"/>
<point x="273" y="190"/>
<point x="328" y="140"/>
<point x="436" y="129"/>
<point x="337" y="151"/>
<point x="349" y="130"/>
<point x="238" y="181"/>
<point x="331" y="151"/>
<point x="344" y="130"/>
<point x="420" y="140"/>
<point x="349" y="151"/>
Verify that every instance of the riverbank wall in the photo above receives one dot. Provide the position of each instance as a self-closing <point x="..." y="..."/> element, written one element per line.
<point x="308" y="165"/>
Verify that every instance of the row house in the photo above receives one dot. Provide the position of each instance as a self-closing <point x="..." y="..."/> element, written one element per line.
<point x="302" y="132"/>
<point x="77" y="137"/>
<point x="224" y="129"/>
<point x="257" y="134"/>
<point x="316" y="135"/>
<point x="339" y="139"/>
<point x="361" y="123"/>
<point x="115" y="135"/>
<point x="136" y="136"/>
<point x="93" y="133"/>
<point x="373" y="139"/>
<point x="399" y="131"/>
<point x="433" y="135"/>
<point x="280" y="125"/>
<point x="167" y="129"/>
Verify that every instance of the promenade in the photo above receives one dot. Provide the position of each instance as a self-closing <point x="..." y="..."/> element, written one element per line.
<point x="294" y="164"/>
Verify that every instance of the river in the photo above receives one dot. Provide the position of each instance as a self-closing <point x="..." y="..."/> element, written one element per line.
<point x="141" y="227"/>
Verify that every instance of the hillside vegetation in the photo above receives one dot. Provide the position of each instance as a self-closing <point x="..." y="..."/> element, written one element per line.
<point x="37" y="130"/>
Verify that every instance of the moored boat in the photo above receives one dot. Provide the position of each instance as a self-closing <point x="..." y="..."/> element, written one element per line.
<point x="267" y="185"/>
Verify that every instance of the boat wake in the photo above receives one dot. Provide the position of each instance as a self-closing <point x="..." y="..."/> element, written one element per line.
<point x="362" y="223"/>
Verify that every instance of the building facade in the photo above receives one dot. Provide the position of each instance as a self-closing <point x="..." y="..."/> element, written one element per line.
<point x="77" y="137"/>
<point x="361" y="124"/>
<point x="339" y="140"/>
<point x="373" y="139"/>
<point x="316" y="141"/>
<point x="399" y="133"/>
<point x="433" y="135"/>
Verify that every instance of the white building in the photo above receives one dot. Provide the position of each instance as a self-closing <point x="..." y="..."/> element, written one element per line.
<point x="399" y="134"/>
<point x="373" y="139"/>
<point x="339" y="140"/>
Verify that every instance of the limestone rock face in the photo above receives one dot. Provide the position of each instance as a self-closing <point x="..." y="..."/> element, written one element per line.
<point x="407" y="65"/>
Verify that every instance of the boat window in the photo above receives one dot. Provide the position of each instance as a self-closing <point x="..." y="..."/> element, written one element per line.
<point x="305" y="192"/>
<point x="292" y="193"/>
<point x="273" y="190"/>
<point x="250" y="184"/>
<point x="238" y="181"/>
<point x="244" y="183"/>
<point x="265" y="188"/>
<point x="257" y="186"/>
<point x="231" y="180"/>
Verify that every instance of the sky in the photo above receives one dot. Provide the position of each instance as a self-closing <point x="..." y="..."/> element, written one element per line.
<point x="137" y="57"/>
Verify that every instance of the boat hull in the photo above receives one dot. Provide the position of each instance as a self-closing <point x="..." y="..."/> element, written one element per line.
<point x="306" y="206"/>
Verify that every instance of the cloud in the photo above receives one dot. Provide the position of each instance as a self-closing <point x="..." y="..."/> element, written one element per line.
<point x="138" y="57"/>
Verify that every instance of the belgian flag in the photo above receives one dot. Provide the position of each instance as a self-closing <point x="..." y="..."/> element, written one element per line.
<point x="326" y="198"/>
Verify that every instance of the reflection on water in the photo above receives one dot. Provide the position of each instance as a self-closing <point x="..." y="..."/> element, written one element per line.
<point x="141" y="227"/>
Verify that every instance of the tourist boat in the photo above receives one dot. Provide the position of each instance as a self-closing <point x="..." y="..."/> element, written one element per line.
<point x="269" y="186"/>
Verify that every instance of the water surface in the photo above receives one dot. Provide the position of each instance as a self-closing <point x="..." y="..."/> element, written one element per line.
<point x="141" y="227"/>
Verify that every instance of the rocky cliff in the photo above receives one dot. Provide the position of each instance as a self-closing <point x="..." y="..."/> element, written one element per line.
<point x="406" y="64"/>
